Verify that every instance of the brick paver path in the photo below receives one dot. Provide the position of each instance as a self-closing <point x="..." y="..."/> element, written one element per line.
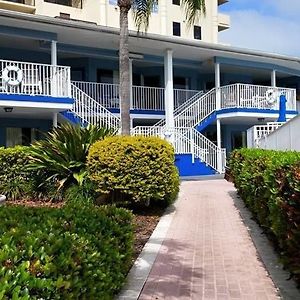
<point x="207" y="253"/>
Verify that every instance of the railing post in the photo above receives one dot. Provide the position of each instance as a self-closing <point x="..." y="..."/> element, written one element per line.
<point x="192" y="144"/>
<point x="238" y="87"/>
<point x="219" y="153"/>
<point x="69" y="83"/>
<point x="218" y="85"/>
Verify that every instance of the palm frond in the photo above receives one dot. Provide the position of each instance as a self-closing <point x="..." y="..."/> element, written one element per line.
<point x="63" y="152"/>
<point x="193" y="10"/>
<point x="142" y="10"/>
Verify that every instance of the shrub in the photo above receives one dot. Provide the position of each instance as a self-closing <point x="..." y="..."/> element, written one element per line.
<point x="62" y="154"/>
<point x="269" y="183"/>
<point x="17" y="181"/>
<point x="70" y="253"/>
<point x="14" y="179"/>
<point x="136" y="169"/>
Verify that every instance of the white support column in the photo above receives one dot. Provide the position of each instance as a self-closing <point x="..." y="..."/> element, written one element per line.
<point x="54" y="53"/>
<point x="130" y="82"/>
<point x="219" y="144"/>
<point x="169" y="94"/>
<point x="273" y="78"/>
<point x="54" y="120"/>
<point x="218" y="85"/>
<point x="131" y="124"/>
<point x="54" y="64"/>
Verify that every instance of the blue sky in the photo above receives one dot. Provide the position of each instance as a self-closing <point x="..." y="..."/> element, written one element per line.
<point x="268" y="25"/>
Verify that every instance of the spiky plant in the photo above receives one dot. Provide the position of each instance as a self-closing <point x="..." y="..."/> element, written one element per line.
<point x="62" y="154"/>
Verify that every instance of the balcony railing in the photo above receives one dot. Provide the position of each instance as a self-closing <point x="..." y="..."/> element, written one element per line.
<point x="256" y="96"/>
<point x="256" y="133"/>
<point x="143" y="97"/>
<point x="34" y="79"/>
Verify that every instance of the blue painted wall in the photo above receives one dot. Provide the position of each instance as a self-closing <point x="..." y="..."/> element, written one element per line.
<point x="25" y="55"/>
<point x="41" y="125"/>
<point x="185" y="166"/>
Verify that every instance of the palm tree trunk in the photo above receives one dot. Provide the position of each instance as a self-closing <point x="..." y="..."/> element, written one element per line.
<point x="124" y="68"/>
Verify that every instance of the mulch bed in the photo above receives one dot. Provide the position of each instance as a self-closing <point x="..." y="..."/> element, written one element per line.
<point x="145" y="223"/>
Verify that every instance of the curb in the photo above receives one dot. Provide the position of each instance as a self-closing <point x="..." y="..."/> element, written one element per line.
<point x="140" y="270"/>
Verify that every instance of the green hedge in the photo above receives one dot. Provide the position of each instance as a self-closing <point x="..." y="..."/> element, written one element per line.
<point x="69" y="253"/>
<point x="14" y="179"/>
<point x="269" y="183"/>
<point x="136" y="169"/>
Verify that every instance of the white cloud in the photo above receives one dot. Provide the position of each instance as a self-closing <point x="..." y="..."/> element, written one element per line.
<point x="250" y="29"/>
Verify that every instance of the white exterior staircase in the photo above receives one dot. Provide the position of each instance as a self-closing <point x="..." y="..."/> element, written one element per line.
<point x="91" y="112"/>
<point x="188" y="141"/>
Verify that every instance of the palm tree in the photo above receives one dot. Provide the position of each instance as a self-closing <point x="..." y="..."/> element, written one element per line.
<point x="142" y="11"/>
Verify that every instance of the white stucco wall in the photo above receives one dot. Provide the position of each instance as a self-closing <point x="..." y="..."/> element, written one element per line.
<point x="287" y="137"/>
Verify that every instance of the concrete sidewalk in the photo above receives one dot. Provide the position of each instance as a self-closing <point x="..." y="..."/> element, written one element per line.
<point x="207" y="252"/>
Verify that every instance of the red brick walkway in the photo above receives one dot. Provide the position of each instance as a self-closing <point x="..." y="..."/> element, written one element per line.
<point x="207" y="253"/>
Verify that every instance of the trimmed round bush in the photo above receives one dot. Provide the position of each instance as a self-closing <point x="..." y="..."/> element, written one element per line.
<point x="75" y="252"/>
<point x="137" y="170"/>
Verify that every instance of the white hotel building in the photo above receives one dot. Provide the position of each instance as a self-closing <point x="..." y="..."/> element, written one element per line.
<point x="59" y="63"/>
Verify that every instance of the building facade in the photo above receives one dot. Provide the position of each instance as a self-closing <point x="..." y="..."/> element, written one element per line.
<point x="200" y="95"/>
<point x="167" y="16"/>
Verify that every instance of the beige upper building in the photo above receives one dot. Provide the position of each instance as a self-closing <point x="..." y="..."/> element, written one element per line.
<point x="168" y="17"/>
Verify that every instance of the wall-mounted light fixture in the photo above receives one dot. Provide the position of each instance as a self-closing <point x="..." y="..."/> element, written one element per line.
<point x="8" y="109"/>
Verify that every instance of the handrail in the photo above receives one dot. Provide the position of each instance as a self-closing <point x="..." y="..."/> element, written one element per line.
<point x="182" y="107"/>
<point x="188" y="141"/>
<point x="197" y="111"/>
<point x="91" y="112"/>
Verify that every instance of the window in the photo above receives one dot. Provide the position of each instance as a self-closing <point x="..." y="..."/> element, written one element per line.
<point x="20" y="136"/>
<point x="72" y="3"/>
<point x="197" y="33"/>
<point x="176" y="29"/>
<point x="105" y="76"/>
<point x="176" y="2"/>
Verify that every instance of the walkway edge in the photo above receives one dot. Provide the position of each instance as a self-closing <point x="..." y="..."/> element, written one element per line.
<point x="140" y="270"/>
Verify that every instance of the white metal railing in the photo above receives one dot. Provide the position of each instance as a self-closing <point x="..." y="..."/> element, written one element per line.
<point x="34" y="79"/>
<point x="91" y="112"/>
<point x="188" y="141"/>
<point x="181" y="96"/>
<point x="148" y="98"/>
<point x="182" y="107"/>
<point x="106" y="94"/>
<point x="256" y="96"/>
<point x="257" y="132"/>
<point x="197" y="111"/>
<point x="143" y="97"/>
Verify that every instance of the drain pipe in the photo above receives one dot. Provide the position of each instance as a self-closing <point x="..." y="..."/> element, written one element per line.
<point x="282" y="109"/>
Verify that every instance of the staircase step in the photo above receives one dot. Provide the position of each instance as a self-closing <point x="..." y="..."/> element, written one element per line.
<point x="186" y="167"/>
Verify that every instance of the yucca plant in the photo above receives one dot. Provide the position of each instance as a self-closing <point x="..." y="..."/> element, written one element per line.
<point x="62" y="154"/>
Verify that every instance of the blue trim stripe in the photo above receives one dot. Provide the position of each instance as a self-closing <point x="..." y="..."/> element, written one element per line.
<point x="36" y="98"/>
<point x="213" y="116"/>
<point x="253" y="110"/>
